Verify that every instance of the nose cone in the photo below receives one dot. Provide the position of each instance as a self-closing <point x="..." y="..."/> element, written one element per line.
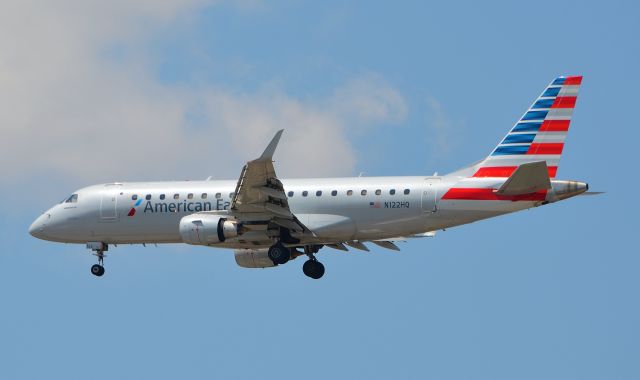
<point x="37" y="228"/>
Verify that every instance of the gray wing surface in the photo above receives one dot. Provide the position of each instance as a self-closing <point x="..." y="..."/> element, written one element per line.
<point x="259" y="194"/>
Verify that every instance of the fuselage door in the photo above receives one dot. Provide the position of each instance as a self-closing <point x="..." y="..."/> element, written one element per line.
<point x="108" y="205"/>
<point x="430" y="195"/>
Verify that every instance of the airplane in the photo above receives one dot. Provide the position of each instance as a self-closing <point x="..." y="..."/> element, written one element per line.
<point x="270" y="221"/>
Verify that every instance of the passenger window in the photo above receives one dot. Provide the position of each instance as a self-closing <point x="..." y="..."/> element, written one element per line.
<point x="176" y="196"/>
<point x="349" y="192"/>
<point x="305" y="193"/>
<point x="218" y="195"/>
<point x="161" y="196"/>
<point x="378" y="192"/>
<point x="334" y="193"/>
<point x="148" y="197"/>
<point x="318" y="193"/>
<point x="392" y="191"/>
<point x="204" y="196"/>
<point x="190" y="195"/>
<point x="363" y="192"/>
<point x="406" y="191"/>
<point x="134" y="197"/>
<point x="290" y="194"/>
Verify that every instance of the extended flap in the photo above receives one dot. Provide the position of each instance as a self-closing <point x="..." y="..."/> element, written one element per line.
<point x="527" y="178"/>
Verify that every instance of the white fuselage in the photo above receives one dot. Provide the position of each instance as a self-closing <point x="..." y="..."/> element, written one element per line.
<point x="334" y="209"/>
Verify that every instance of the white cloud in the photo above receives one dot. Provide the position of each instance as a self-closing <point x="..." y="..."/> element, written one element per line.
<point x="441" y="129"/>
<point x="370" y="99"/>
<point x="67" y="110"/>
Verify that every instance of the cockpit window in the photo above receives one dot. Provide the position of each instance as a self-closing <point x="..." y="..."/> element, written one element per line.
<point x="72" y="199"/>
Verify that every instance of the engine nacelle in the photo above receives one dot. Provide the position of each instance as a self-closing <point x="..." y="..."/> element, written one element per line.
<point x="205" y="229"/>
<point x="253" y="258"/>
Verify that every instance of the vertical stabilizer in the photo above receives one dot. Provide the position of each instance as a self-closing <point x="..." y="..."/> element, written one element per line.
<point x="539" y="135"/>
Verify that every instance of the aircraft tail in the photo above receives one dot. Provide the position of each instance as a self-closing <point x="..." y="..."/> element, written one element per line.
<point x="539" y="135"/>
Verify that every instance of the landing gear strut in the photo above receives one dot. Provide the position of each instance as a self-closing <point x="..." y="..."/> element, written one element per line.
<point x="312" y="267"/>
<point x="99" y="249"/>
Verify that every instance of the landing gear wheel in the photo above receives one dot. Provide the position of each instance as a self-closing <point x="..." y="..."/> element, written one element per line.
<point x="99" y="248"/>
<point x="313" y="268"/>
<point x="97" y="270"/>
<point x="279" y="254"/>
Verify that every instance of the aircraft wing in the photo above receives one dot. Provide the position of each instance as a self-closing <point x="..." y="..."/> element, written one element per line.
<point x="259" y="194"/>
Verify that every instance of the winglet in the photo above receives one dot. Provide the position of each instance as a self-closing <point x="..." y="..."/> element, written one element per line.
<point x="267" y="155"/>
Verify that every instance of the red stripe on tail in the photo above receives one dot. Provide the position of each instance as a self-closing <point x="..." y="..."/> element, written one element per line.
<point x="545" y="148"/>
<point x="470" y="194"/>
<point x="555" y="126"/>
<point x="500" y="171"/>
<point x="572" y="80"/>
<point x="506" y="171"/>
<point x="564" y="102"/>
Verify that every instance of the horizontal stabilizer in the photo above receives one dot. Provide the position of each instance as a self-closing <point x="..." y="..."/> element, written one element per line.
<point x="526" y="179"/>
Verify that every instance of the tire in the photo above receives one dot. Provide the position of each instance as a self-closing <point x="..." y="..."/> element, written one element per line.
<point x="279" y="254"/>
<point x="313" y="269"/>
<point x="97" y="270"/>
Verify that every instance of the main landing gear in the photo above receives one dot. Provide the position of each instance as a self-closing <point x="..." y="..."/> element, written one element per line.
<point x="280" y="254"/>
<point x="312" y="267"/>
<point x="99" y="249"/>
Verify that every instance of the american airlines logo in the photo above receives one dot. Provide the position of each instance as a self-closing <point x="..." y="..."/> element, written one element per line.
<point x="184" y="206"/>
<point x="132" y="212"/>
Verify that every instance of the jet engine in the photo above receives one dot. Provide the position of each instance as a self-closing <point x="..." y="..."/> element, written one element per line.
<point x="253" y="258"/>
<point x="205" y="229"/>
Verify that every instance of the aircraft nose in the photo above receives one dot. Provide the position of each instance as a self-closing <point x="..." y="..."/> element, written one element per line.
<point x="38" y="226"/>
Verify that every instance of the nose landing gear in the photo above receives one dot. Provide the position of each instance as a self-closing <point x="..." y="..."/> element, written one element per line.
<point x="97" y="270"/>
<point x="99" y="248"/>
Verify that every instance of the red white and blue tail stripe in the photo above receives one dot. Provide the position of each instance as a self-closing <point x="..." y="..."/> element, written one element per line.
<point x="540" y="133"/>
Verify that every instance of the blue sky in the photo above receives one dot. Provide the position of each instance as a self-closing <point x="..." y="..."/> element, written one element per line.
<point x="95" y="92"/>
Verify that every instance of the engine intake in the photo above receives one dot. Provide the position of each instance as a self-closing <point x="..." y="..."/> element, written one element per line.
<point x="202" y="229"/>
